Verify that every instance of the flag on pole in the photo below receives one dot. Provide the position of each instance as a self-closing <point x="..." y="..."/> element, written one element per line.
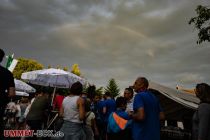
<point x="11" y="62"/>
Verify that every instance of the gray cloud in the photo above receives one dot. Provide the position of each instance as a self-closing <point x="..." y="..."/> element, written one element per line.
<point x="109" y="39"/>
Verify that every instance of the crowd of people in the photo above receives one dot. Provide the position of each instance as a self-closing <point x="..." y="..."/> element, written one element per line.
<point x="88" y="116"/>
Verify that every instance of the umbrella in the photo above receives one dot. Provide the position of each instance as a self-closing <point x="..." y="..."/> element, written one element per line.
<point x="22" y="86"/>
<point x="56" y="78"/>
<point x="20" y="93"/>
<point x="52" y="77"/>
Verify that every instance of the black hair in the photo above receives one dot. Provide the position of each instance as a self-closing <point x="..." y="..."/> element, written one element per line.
<point x="120" y="102"/>
<point x="203" y="92"/>
<point x="87" y="105"/>
<point x="2" y="54"/>
<point x="107" y="93"/>
<point x="76" y="88"/>
<point x="130" y="90"/>
<point x="91" y="91"/>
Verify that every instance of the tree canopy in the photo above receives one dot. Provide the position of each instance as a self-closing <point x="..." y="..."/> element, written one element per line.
<point x="202" y="23"/>
<point x="25" y="65"/>
<point x="113" y="88"/>
<point x="76" y="70"/>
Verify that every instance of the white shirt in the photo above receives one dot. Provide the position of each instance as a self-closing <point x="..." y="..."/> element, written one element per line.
<point x="129" y="106"/>
<point x="89" y="116"/>
<point x="71" y="110"/>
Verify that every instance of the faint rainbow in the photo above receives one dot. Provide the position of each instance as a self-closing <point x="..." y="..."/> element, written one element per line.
<point x="131" y="31"/>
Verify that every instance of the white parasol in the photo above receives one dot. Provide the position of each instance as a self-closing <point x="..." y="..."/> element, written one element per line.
<point x="52" y="77"/>
<point x="21" y="93"/>
<point x="56" y="78"/>
<point x="22" y="86"/>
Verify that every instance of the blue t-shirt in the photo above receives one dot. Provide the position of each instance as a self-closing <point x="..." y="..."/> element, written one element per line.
<point x="122" y="114"/>
<point x="110" y="107"/>
<point x="99" y="108"/>
<point x="113" y="127"/>
<point x="149" y="128"/>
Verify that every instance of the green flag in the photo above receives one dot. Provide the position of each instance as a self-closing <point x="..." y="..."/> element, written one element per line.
<point x="9" y="60"/>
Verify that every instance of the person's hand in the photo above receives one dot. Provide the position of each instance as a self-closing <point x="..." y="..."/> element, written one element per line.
<point x="96" y="133"/>
<point x="11" y="92"/>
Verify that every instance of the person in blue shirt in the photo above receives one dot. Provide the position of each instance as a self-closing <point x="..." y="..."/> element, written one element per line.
<point x="110" y="105"/>
<point x="123" y="133"/>
<point x="147" y="112"/>
<point x="100" y="117"/>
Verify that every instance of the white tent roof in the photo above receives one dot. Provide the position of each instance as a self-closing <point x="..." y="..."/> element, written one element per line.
<point x="185" y="99"/>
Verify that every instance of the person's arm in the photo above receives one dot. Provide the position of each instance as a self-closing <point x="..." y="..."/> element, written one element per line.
<point x="11" y="92"/>
<point x="104" y="107"/>
<point x="139" y="115"/>
<point x="138" y="107"/>
<point x="11" y="86"/>
<point x="61" y="111"/>
<point x="95" y="128"/>
<point x="204" y="121"/>
<point x="81" y="106"/>
<point x="130" y="113"/>
<point x="104" y="110"/>
<point x="27" y="110"/>
<point x="162" y="116"/>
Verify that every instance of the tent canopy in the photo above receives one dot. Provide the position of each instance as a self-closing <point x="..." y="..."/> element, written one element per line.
<point x="176" y="104"/>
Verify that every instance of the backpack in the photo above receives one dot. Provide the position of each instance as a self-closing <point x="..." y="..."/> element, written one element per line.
<point x="117" y="123"/>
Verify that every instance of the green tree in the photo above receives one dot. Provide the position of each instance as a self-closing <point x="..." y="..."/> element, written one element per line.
<point x="202" y="23"/>
<point x="49" y="66"/>
<point x="99" y="91"/>
<point x="25" y="65"/>
<point x="113" y="88"/>
<point x="92" y="90"/>
<point x="65" y="68"/>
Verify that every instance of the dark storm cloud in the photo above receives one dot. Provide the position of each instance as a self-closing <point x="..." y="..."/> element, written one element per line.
<point x="108" y="39"/>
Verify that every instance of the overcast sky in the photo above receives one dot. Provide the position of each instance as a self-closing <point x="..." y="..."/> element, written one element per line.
<point x="120" y="39"/>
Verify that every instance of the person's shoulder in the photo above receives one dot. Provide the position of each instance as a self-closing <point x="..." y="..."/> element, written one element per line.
<point x="66" y="98"/>
<point x="204" y="109"/>
<point x="92" y="114"/>
<point x="101" y="103"/>
<point x="122" y="114"/>
<point x="5" y="70"/>
<point x="139" y="95"/>
<point x="204" y="106"/>
<point x="110" y="100"/>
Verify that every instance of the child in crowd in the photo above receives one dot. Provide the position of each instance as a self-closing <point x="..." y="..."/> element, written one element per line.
<point x="22" y="108"/>
<point x="90" y="122"/>
<point x="118" y="122"/>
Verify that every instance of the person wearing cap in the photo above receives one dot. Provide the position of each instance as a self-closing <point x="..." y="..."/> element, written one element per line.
<point x="147" y="112"/>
